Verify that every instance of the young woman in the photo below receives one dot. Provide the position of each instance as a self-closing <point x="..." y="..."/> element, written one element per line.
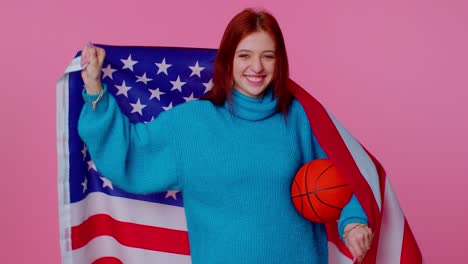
<point x="233" y="155"/>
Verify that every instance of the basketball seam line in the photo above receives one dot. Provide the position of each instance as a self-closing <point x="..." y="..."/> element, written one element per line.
<point x="321" y="190"/>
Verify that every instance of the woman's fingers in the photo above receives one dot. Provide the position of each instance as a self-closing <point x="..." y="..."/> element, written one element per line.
<point x="354" y="247"/>
<point x="358" y="240"/>
<point x="84" y="56"/>
<point x="93" y="58"/>
<point x="364" y="238"/>
<point x="101" y="54"/>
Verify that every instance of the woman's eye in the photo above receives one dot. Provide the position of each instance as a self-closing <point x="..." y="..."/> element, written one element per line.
<point x="270" y="57"/>
<point x="243" y="55"/>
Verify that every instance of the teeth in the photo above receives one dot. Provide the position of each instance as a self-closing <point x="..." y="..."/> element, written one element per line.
<point x="254" y="79"/>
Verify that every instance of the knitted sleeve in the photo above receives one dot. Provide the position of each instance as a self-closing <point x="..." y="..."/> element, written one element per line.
<point x="138" y="158"/>
<point x="353" y="211"/>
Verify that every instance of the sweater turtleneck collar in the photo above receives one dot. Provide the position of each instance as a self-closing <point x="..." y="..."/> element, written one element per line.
<point x="250" y="108"/>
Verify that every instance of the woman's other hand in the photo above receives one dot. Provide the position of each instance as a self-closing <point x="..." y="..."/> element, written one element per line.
<point x="358" y="239"/>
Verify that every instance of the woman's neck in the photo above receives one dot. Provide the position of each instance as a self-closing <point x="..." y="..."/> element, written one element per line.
<point x="250" y="108"/>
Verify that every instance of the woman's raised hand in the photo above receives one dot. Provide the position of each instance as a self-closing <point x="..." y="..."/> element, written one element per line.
<point x="92" y="57"/>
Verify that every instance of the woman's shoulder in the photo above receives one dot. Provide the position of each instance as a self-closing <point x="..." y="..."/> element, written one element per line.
<point x="298" y="115"/>
<point x="296" y="109"/>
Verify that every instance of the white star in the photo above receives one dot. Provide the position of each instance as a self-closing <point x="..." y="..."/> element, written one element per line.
<point x="196" y="70"/>
<point x="123" y="89"/>
<point x="167" y="107"/>
<point x="177" y="85"/>
<point x="190" y="98"/>
<point x="108" y="72"/>
<point x="172" y="194"/>
<point x="156" y="93"/>
<point x="106" y="183"/>
<point x="85" y="184"/>
<point x="128" y="63"/>
<point x="146" y="122"/>
<point x="138" y="107"/>
<point x="91" y="165"/>
<point x="208" y="85"/>
<point x="83" y="151"/>
<point x="143" y="78"/>
<point x="162" y="67"/>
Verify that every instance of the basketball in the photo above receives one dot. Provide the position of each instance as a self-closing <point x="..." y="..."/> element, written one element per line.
<point x="319" y="191"/>
<point x="107" y="260"/>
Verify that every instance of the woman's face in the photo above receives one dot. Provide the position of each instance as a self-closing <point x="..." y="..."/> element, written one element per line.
<point x="254" y="64"/>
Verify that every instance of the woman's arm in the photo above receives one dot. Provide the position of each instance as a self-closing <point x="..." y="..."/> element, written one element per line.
<point x="352" y="224"/>
<point x="138" y="158"/>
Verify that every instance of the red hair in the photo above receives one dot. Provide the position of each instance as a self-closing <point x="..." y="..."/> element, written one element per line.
<point x="246" y="22"/>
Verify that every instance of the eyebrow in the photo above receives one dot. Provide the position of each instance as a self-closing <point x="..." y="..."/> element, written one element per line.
<point x="246" y="50"/>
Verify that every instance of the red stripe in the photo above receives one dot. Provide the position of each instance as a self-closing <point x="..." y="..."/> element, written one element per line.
<point x="410" y="253"/>
<point x="131" y="235"/>
<point x="371" y="255"/>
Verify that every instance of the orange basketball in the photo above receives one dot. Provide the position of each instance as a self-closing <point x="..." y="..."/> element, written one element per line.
<point x="107" y="260"/>
<point x="319" y="191"/>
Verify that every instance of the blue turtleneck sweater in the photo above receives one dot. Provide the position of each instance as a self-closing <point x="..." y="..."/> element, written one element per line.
<point x="234" y="168"/>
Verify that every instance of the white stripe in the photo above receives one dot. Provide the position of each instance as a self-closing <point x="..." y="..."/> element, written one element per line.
<point x="107" y="246"/>
<point x="362" y="160"/>
<point x="63" y="168"/>
<point x="335" y="256"/>
<point x="129" y="210"/>
<point x="75" y="65"/>
<point x="391" y="229"/>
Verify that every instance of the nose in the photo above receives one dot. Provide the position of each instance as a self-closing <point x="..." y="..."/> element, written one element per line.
<point x="257" y="65"/>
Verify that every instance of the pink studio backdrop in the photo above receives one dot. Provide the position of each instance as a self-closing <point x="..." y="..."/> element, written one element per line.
<point x="394" y="73"/>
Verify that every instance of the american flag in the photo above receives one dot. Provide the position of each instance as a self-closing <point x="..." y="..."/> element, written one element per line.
<point x="100" y="223"/>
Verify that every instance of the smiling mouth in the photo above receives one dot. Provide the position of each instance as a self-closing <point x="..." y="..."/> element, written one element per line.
<point x="255" y="79"/>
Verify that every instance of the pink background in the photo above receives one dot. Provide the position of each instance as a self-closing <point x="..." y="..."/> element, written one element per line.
<point x="394" y="73"/>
